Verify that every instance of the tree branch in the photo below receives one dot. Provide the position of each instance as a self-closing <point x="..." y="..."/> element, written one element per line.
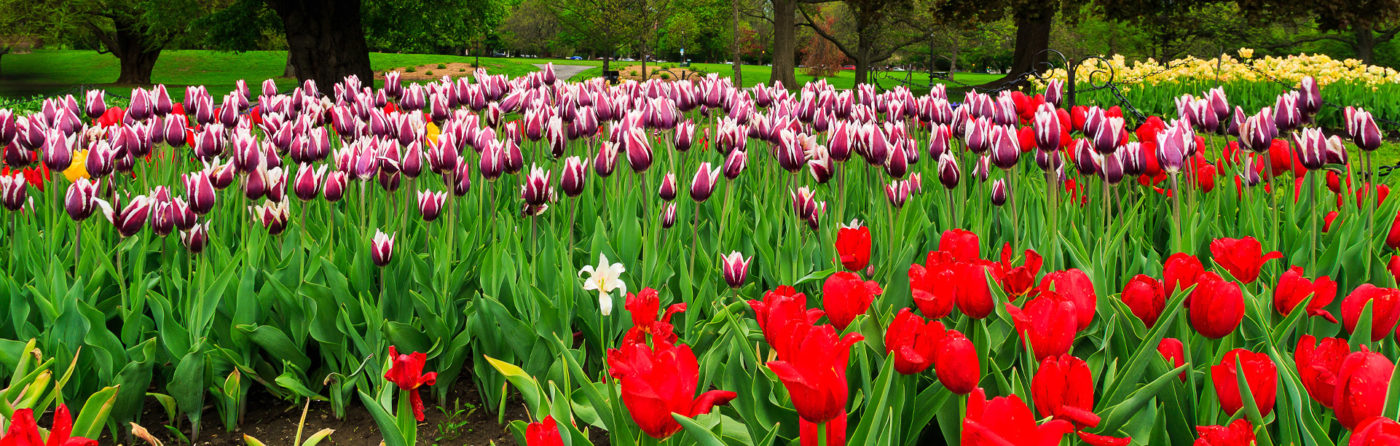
<point x="825" y="35"/>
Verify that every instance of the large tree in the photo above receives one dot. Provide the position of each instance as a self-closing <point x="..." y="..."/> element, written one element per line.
<point x="135" y="31"/>
<point x="325" y="39"/>
<point x="881" y="27"/>
<point x="602" y="25"/>
<point x="1033" y="18"/>
<point x="1360" y="24"/>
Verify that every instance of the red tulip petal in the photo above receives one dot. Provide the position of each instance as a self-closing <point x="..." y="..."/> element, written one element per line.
<point x="1104" y="440"/>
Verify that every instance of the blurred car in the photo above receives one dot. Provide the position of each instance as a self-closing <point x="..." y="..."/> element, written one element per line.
<point x="576" y="58"/>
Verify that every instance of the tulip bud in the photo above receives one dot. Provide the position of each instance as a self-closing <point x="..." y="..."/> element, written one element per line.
<point x="80" y="200"/>
<point x="956" y="364"/>
<point x="162" y="217"/>
<point x="667" y="190"/>
<point x="685" y="135"/>
<point x="638" y="149"/>
<point x="1106" y="139"/>
<point x="336" y="183"/>
<point x="1047" y="128"/>
<point x="998" y="192"/>
<point x="130" y="218"/>
<point x="1006" y="148"/>
<point x="978" y="136"/>
<point x="897" y="164"/>
<point x="381" y="248"/>
<point x="1367" y="135"/>
<point x="948" y="171"/>
<point x="668" y="216"/>
<point x="1336" y="151"/>
<point x="803" y="202"/>
<point x="734" y="163"/>
<point x="1171" y="146"/>
<point x="430" y="204"/>
<point x="704" y="182"/>
<point x="1312" y="148"/>
<point x="1053" y="92"/>
<point x="461" y="178"/>
<point x="735" y="268"/>
<point x="13" y="191"/>
<point x="537" y="190"/>
<point x="1111" y="166"/>
<point x="897" y="192"/>
<point x="308" y="181"/>
<point x="195" y="238"/>
<point x="1260" y="374"/>
<point x="1287" y="115"/>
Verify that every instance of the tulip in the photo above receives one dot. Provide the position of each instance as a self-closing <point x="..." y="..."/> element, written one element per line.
<point x="1237" y="433"/>
<point x="1073" y="285"/>
<point x="999" y="192"/>
<point x="1047" y="128"/>
<point x="1006" y="421"/>
<point x="1385" y="309"/>
<point x="668" y="216"/>
<point x="983" y="169"/>
<point x="162" y="217"/>
<point x="1293" y="288"/>
<point x="1241" y="257"/>
<point x="96" y="103"/>
<point x="667" y="190"/>
<point x="791" y="150"/>
<point x="734" y="163"/>
<point x="307" y="181"/>
<point x="1047" y="323"/>
<point x="1367" y="135"/>
<point x="273" y="216"/>
<point x="1362" y="382"/>
<point x="543" y="433"/>
<point x="1084" y="157"/>
<point x="1053" y="92"/>
<point x="932" y="285"/>
<point x="735" y="268"/>
<point x="845" y="295"/>
<point x="948" y="172"/>
<point x="195" y="238"/>
<point x="571" y="179"/>
<point x="1312" y="148"/>
<point x="781" y="314"/>
<point x="1107" y="137"/>
<point x="58" y="150"/>
<point x="1216" y="306"/>
<point x="1063" y="388"/>
<point x="820" y="164"/>
<point x="955" y="363"/>
<point x="853" y="245"/>
<point x="704" y="182"/>
<point x="638" y="148"/>
<point x="537" y="189"/>
<point x="334" y="188"/>
<point x="406" y="372"/>
<point x="1318" y="362"/>
<point x="815" y="376"/>
<point x="912" y="341"/>
<point x="658" y="381"/>
<point x="430" y="204"/>
<point x="1173" y="144"/>
<point x="1376" y="431"/>
<point x="13" y="191"/>
<point x="1146" y="297"/>
<point x="1180" y="272"/>
<point x="24" y="430"/>
<point x="1174" y="352"/>
<point x="1259" y="372"/>
<point x="685" y="135"/>
<point x="80" y="200"/>
<point x="1006" y="149"/>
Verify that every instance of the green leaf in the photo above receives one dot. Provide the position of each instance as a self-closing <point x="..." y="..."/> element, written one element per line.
<point x="529" y="389"/>
<point x="701" y="435"/>
<point x="388" y="425"/>
<point x="94" y="414"/>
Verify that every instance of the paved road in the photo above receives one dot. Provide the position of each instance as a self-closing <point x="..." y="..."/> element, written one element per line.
<point x="564" y="72"/>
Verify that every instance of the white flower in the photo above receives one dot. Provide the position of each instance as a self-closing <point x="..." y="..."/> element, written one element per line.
<point x="605" y="278"/>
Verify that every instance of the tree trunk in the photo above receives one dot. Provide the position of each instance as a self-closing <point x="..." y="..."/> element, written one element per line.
<point x="291" y="69"/>
<point x="1365" y="44"/>
<point x="737" y="61"/>
<point x="325" y="39"/>
<point x="1032" y="39"/>
<point x="135" y="56"/>
<point x="784" y="43"/>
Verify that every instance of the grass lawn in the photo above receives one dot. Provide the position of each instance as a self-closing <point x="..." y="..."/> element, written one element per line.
<point x="845" y="79"/>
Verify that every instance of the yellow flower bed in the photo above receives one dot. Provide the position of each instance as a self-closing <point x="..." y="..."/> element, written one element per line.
<point x="1290" y="69"/>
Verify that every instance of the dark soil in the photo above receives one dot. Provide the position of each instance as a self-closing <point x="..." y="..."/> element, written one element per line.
<point x="464" y="421"/>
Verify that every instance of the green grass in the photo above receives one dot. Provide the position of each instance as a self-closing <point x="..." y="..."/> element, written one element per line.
<point x="845" y="79"/>
<point x="49" y="72"/>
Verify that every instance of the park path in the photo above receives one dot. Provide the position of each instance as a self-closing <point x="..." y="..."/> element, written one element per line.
<point x="564" y="72"/>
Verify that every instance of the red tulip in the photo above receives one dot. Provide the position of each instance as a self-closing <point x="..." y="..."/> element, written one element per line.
<point x="933" y="286"/>
<point x="1217" y="306"/>
<point x="1362" y="382"/>
<point x="1241" y="257"/>
<point x="24" y="430"/>
<point x="912" y="341"/>
<point x="1394" y="267"/>
<point x="1259" y="372"/>
<point x="1018" y="280"/>
<point x="1146" y="298"/>
<point x="956" y="364"/>
<point x="974" y="297"/>
<point x="853" y="245"/>
<point x="961" y="244"/>
<point x="1293" y="288"/>
<point x="1063" y="388"/>
<point x="845" y="295"/>
<point x="1318" y="364"/>
<point x="1074" y="285"/>
<point x="1377" y="431"/>
<point x="1006" y="421"/>
<point x="1237" y="433"/>
<point x="543" y="433"/>
<point x="1047" y="323"/>
<point x="406" y="371"/>
<point x="1392" y="239"/>
<point x="1385" y="309"/>
<point x="643" y="307"/>
<point x="658" y="381"/>
<point x="815" y="377"/>
<point x="1174" y="352"/>
<point x="782" y="312"/>
<point x="1327" y="221"/>
<point x="1180" y="272"/>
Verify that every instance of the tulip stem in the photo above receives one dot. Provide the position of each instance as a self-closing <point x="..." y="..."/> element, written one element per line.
<point x="77" y="245"/>
<point x="1011" y="194"/>
<point x="1051" y="184"/>
<point x="1176" y="211"/>
<point x="695" y="239"/>
<point x="1312" y="202"/>
<point x="1371" y="209"/>
<point x="1273" y="202"/>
